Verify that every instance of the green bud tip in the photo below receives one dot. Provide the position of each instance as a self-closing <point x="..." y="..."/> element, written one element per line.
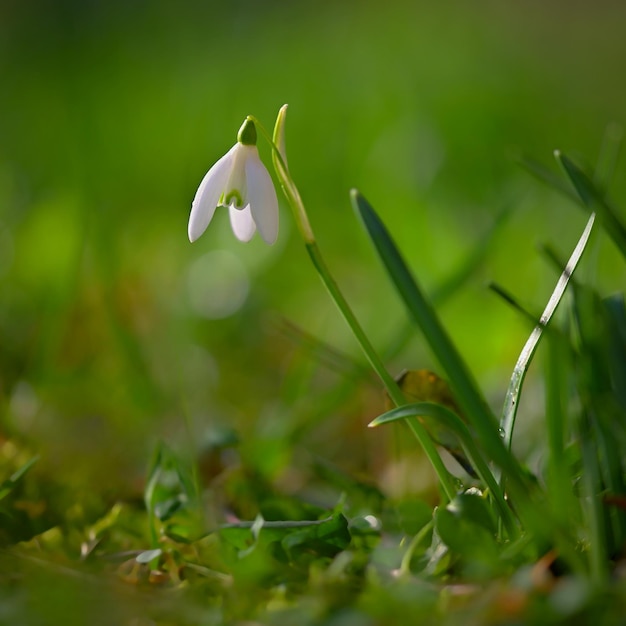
<point x="247" y="133"/>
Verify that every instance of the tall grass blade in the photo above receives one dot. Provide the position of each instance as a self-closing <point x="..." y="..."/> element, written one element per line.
<point x="597" y="384"/>
<point x="560" y="473"/>
<point x="511" y="401"/>
<point x="423" y="314"/>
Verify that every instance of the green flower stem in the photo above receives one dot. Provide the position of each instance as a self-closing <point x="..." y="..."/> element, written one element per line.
<point x="390" y="384"/>
<point x="292" y="194"/>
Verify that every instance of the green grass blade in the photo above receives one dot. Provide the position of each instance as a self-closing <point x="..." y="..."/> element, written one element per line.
<point x="511" y="300"/>
<point x="149" y="494"/>
<point x="546" y="176"/>
<point x="553" y="257"/>
<point x="594" y="200"/>
<point x="560" y="478"/>
<point x="591" y="486"/>
<point x="511" y="401"/>
<point x="423" y="314"/>
<point x="525" y="498"/>
<point x="8" y="485"/>
<point x="597" y="384"/>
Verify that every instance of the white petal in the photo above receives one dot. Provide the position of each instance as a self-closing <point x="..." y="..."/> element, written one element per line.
<point x="262" y="198"/>
<point x="236" y="182"/>
<point x="242" y="223"/>
<point x="208" y="195"/>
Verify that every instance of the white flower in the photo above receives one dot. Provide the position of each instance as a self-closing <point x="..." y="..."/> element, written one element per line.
<point x="240" y="182"/>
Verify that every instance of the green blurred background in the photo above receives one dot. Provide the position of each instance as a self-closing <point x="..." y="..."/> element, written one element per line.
<point x="115" y="331"/>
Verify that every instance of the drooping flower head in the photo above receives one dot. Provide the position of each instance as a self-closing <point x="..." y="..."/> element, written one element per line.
<point x="239" y="181"/>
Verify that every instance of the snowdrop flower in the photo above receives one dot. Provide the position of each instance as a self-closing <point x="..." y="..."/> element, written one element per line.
<point x="240" y="182"/>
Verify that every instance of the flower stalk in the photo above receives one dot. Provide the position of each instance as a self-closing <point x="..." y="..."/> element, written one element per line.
<point x="279" y="159"/>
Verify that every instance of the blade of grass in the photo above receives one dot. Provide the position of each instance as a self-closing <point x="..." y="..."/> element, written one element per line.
<point x="594" y="200"/>
<point x="149" y="494"/>
<point x="592" y="503"/>
<point x="423" y="314"/>
<point x="605" y="418"/>
<point x="511" y="402"/>
<point x="524" y="496"/>
<point x="553" y="257"/>
<point x="559" y="479"/>
<point x="10" y="483"/>
<point x="546" y="176"/>
<point x="510" y="299"/>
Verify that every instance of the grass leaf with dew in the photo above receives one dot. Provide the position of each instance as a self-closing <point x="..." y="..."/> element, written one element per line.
<point x="514" y="390"/>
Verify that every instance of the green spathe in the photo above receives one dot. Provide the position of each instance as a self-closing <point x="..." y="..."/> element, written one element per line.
<point x="247" y="133"/>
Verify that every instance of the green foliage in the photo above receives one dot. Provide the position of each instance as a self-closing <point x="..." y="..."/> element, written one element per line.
<point x="596" y="425"/>
<point x="531" y="539"/>
<point x="266" y="499"/>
